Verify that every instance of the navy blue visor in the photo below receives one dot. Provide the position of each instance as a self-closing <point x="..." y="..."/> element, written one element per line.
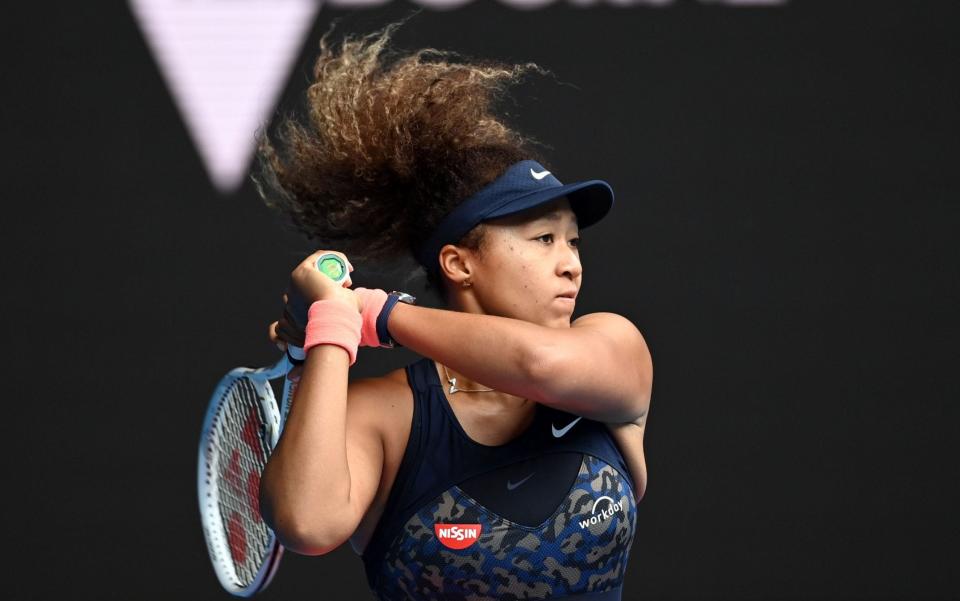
<point x="523" y="186"/>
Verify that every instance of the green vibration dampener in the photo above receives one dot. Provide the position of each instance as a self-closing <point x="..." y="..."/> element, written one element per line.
<point x="333" y="267"/>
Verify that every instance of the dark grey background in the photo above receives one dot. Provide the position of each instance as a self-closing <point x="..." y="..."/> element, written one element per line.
<point x="784" y="236"/>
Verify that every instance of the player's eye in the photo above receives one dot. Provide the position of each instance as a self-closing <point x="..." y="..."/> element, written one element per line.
<point x="548" y="238"/>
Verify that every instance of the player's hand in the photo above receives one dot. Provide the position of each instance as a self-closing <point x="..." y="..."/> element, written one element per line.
<point x="281" y="334"/>
<point x="275" y="336"/>
<point x="313" y="285"/>
<point x="284" y="332"/>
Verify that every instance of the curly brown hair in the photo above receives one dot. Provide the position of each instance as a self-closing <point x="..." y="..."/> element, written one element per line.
<point x="391" y="144"/>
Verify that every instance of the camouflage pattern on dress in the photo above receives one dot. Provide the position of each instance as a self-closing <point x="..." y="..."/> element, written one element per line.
<point x="583" y="547"/>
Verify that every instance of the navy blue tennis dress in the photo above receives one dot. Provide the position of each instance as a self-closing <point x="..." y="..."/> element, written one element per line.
<point x="549" y="515"/>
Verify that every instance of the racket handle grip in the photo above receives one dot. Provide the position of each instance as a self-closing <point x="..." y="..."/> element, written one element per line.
<point x="295" y="354"/>
<point x="330" y="265"/>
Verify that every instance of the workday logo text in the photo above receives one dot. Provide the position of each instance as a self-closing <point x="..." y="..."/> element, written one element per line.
<point x="607" y="509"/>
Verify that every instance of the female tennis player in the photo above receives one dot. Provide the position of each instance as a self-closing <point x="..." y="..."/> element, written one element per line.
<point x="507" y="463"/>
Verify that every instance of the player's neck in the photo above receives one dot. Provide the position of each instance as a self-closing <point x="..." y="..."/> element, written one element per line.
<point x="476" y="393"/>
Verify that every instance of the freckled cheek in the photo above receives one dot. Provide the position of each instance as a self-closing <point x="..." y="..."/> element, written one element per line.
<point x="531" y="291"/>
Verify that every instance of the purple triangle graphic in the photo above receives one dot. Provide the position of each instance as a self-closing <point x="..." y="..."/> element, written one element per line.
<point x="225" y="63"/>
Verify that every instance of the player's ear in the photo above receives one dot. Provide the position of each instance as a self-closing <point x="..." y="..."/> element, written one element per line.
<point x="455" y="263"/>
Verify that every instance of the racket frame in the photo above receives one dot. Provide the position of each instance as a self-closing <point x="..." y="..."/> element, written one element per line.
<point x="208" y="488"/>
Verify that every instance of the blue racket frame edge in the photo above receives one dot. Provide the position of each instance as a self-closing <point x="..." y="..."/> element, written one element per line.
<point x="207" y="487"/>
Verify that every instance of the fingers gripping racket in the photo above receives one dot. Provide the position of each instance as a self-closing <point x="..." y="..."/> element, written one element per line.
<point x="240" y="430"/>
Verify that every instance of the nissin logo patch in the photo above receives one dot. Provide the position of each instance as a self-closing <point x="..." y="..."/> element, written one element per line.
<point x="457" y="536"/>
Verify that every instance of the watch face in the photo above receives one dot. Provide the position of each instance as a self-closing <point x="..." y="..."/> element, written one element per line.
<point x="403" y="297"/>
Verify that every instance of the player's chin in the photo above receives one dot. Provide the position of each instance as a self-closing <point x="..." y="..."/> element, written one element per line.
<point x="562" y="305"/>
<point x="556" y="314"/>
<point x="559" y="320"/>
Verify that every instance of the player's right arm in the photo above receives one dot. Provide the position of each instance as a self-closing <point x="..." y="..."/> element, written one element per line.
<point x="325" y="471"/>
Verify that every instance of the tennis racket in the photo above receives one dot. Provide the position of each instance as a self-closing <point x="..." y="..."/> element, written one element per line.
<point x="240" y="430"/>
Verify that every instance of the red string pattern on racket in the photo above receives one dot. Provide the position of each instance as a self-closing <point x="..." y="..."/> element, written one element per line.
<point x="243" y="450"/>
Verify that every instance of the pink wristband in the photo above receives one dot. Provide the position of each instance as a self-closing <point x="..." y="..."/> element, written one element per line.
<point x="333" y="322"/>
<point x="373" y="300"/>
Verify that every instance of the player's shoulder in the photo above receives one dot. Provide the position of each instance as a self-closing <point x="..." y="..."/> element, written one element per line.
<point x="379" y="388"/>
<point x="615" y="328"/>
<point x="380" y="399"/>
<point x="612" y="322"/>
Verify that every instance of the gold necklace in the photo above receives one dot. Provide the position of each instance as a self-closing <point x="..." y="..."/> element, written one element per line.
<point x="453" y="384"/>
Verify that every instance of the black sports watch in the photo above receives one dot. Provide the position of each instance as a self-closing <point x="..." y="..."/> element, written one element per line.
<point x="392" y="299"/>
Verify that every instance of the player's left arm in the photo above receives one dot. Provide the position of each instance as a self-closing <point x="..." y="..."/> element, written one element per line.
<point x="599" y="368"/>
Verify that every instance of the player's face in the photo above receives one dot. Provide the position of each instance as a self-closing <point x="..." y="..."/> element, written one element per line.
<point x="529" y="262"/>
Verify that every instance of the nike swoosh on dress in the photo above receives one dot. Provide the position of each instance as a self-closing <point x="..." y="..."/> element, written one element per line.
<point x="565" y="429"/>
<point x="511" y="485"/>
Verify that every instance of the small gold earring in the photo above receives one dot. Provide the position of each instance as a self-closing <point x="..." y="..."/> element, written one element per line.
<point x="466" y="283"/>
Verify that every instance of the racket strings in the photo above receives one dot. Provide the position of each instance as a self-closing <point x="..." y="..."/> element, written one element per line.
<point x="243" y="449"/>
